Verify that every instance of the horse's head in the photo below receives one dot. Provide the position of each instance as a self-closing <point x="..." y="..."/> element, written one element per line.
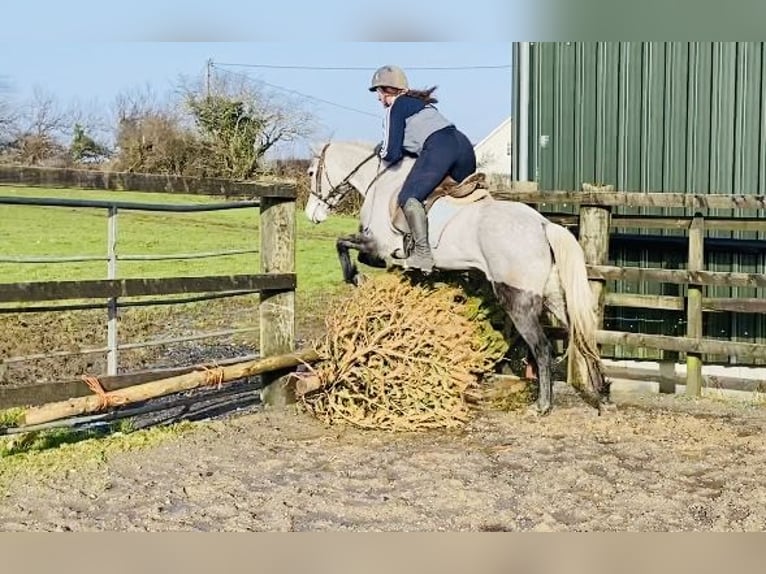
<point x="332" y="174"/>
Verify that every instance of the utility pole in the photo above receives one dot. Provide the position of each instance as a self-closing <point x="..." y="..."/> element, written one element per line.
<point x="208" y="73"/>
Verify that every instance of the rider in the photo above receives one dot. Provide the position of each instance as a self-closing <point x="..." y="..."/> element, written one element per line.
<point x="413" y="126"/>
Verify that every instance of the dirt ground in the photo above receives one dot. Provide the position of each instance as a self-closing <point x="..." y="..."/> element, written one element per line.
<point x="659" y="463"/>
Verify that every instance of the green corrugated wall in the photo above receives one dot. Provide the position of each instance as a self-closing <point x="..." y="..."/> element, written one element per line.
<point x="655" y="116"/>
<point x="650" y="116"/>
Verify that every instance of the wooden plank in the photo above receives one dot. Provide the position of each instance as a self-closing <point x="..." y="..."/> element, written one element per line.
<point x="660" y="222"/>
<point x="676" y="303"/>
<point x="749" y="351"/>
<point x="694" y="306"/>
<point x="633" y="199"/>
<point x="123" y="181"/>
<point x="709" y="381"/>
<point x="677" y="276"/>
<point x="649" y="222"/>
<point x="564" y="219"/>
<point x="41" y="393"/>
<point x="717" y="224"/>
<point x="741" y="305"/>
<point x="665" y="302"/>
<point x="106" y="288"/>
<point x="277" y="309"/>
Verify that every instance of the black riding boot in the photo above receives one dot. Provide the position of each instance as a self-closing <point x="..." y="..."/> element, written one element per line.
<point x="421" y="257"/>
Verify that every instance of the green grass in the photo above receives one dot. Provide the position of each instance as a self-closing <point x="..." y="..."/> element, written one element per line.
<point x="28" y="231"/>
<point x="48" y="454"/>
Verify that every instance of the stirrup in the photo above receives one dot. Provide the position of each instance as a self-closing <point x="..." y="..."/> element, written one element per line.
<point x="423" y="263"/>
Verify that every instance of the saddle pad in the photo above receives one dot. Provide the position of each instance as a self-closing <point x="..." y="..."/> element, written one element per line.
<point x="440" y="214"/>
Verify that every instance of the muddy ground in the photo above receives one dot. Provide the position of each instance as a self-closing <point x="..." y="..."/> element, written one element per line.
<point x="659" y="463"/>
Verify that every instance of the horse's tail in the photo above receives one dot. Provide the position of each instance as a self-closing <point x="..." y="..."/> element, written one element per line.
<point x="573" y="275"/>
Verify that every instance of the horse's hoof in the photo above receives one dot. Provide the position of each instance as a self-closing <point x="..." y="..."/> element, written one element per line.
<point x="535" y="411"/>
<point x="359" y="279"/>
<point x="531" y="412"/>
<point x="606" y="407"/>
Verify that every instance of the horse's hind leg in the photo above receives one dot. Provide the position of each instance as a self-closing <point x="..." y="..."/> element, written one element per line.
<point x="525" y="308"/>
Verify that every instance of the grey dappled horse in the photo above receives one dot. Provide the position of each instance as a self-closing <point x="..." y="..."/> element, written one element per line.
<point x="533" y="264"/>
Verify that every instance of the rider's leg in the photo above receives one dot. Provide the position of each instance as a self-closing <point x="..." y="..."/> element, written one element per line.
<point x="429" y="170"/>
<point x="421" y="256"/>
<point x="465" y="164"/>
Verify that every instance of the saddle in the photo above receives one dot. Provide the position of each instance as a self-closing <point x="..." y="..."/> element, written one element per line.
<point x="471" y="189"/>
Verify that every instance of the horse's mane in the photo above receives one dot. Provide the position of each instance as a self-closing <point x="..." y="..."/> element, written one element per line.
<point x="360" y="143"/>
<point x="316" y="147"/>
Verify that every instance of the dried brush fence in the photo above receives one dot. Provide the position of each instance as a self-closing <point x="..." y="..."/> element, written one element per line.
<point x="596" y="223"/>
<point x="275" y="283"/>
<point x="400" y="355"/>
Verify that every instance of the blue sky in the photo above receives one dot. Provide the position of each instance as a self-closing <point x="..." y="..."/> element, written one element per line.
<point x="477" y="98"/>
<point x="241" y="20"/>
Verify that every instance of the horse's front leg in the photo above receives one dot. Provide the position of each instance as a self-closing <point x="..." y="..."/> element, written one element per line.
<point x="350" y="271"/>
<point x="367" y="255"/>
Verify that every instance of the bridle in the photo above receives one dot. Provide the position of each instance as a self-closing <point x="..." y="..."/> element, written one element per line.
<point x="339" y="191"/>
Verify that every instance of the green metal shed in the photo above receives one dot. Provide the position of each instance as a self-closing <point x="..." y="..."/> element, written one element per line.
<point x="650" y="116"/>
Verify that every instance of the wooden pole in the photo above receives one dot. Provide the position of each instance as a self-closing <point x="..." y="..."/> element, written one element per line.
<point x="594" y="240"/>
<point x="694" y="305"/>
<point x="167" y="386"/>
<point x="277" y="308"/>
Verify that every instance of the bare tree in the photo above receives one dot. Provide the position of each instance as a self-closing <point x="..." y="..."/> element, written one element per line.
<point x="239" y="122"/>
<point x="137" y="103"/>
<point x="44" y="115"/>
<point x="94" y="117"/>
<point x="8" y="115"/>
<point x="150" y="135"/>
<point x="37" y="128"/>
<point x="283" y="120"/>
<point x="224" y="131"/>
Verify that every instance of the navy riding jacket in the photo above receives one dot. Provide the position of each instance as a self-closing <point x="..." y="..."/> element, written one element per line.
<point x="406" y="126"/>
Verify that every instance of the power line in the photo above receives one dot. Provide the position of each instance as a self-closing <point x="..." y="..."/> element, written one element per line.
<point x="363" y="68"/>
<point x="297" y="93"/>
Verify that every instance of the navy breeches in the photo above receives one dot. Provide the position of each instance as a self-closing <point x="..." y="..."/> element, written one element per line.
<point x="445" y="152"/>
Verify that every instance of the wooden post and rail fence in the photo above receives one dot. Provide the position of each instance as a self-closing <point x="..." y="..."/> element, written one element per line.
<point x="595" y="222"/>
<point x="276" y="281"/>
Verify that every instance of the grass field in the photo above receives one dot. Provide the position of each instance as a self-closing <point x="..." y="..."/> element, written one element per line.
<point x="30" y="231"/>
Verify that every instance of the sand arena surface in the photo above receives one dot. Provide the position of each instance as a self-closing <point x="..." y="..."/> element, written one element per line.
<point x="658" y="463"/>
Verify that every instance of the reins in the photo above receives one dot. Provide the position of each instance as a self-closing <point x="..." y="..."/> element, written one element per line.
<point x="339" y="191"/>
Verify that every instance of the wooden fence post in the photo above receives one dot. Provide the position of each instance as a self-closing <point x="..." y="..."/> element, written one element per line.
<point x="594" y="221"/>
<point x="594" y="239"/>
<point x="694" y="305"/>
<point x="277" y="308"/>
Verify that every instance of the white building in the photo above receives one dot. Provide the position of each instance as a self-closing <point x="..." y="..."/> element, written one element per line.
<point x="493" y="153"/>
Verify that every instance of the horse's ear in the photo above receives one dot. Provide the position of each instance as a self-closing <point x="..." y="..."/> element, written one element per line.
<point x="317" y="147"/>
